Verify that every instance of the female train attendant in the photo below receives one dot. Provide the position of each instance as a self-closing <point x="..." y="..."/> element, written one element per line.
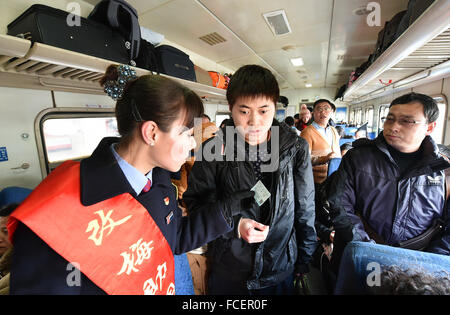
<point x="111" y="224"/>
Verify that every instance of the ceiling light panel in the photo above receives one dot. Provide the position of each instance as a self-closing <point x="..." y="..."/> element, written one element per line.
<point x="297" y="62"/>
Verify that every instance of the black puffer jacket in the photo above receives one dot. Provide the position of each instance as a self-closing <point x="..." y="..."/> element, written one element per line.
<point x="292" y="237"/>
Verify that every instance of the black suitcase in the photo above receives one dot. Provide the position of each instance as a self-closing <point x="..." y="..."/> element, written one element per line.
<point x="340" y="93"/>
<point x="49" y="26"/>
<point x="390" y="30"/>
<point x="174" y="62"/>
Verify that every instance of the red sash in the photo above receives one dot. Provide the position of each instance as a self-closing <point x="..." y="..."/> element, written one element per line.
<point x="115" y="243"/>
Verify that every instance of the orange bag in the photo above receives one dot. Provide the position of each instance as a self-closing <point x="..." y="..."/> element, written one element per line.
<point x="218" y="80"/>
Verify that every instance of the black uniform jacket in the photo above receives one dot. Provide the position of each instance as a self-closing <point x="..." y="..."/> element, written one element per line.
<point x="37" y="269"/>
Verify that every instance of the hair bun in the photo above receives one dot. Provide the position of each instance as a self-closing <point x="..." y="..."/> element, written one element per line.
<point x="117" y="79"/>
<point x="111" y="74"/>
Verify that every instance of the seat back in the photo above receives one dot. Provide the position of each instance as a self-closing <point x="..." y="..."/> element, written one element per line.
<point x="362" y="260"/>
<point x="333" y="165"/>
<point x="13" y="194"/>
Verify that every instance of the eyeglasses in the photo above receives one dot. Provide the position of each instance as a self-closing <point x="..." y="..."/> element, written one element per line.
<point x="403" y="121"/>
<point x="323" y="109"/>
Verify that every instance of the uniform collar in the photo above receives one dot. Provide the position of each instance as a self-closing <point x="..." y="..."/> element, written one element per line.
<point x="135" y="178"/>
<point x="102" y="177"/>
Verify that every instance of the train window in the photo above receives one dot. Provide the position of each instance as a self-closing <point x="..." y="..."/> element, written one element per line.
<point x="358" y="117"/>
<point x="221" y="116"/>
<point x="73" y="136"/>
<point x="341" y="114"/>
<point x="369" y="117"/>
<point x="382" y="112"/>
<point x="351" y="119"/>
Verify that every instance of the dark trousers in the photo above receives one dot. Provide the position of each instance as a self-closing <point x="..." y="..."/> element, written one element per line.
<point x="219" y="285"/>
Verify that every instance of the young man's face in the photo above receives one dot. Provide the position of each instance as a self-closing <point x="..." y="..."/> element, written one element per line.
<point x="406" y="126"/>
<point x="253" y="118"/>
<point x="322" y="113"/>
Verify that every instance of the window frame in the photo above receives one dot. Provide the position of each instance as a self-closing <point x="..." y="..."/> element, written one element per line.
<point x="62" y="113"/>
<point x="380" y="115"/>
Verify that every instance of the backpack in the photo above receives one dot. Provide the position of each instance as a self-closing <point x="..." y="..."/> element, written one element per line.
<point x="120" y="16"/>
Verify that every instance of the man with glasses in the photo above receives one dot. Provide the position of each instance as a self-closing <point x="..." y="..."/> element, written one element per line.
<point x="392" y="189"/>
<point x="322" y="138"/>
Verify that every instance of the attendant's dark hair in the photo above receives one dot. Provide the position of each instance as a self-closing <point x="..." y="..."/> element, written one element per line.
<point x="252" y="81"/>
<point x="155" y="98"/>
<point x="430" y="107"/>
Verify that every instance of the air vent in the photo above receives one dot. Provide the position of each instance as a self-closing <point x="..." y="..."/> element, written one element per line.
<point x="277" y="22"/>
<point x="213" y="39"/>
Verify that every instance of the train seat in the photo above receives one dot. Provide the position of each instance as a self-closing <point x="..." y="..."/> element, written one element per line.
<point x="333" y="165"/>
<point x="13" y="194"/>
<point x="343" y="140"/>
<point x="360" y="261"/>
<point x="183" y="276"/>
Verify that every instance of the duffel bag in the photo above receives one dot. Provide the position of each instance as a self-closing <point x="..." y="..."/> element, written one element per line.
<point x="47" y="25"/>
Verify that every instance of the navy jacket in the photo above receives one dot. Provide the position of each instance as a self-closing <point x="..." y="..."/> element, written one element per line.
<point x="37" y="269"/>
<point x="397" y="206"/>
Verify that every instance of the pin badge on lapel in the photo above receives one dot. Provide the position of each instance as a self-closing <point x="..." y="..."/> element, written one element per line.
<point x="169" y="217"/>
<point x="166" y="201"/>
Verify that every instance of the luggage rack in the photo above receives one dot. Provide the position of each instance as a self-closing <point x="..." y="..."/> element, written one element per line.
<point x="24" y="64"/>
<point x="420" y="55"/>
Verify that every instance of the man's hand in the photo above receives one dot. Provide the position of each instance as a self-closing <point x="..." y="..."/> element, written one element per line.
<point x="252" y="231"/>
<point x="331" y="155"/>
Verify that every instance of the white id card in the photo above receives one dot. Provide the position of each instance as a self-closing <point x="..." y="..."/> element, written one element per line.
<point x="261" y="193"/>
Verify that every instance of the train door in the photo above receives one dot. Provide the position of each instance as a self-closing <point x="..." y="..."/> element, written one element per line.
<point x="19" y="162"/>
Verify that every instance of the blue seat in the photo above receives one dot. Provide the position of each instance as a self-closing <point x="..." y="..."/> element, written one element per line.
<point x="350" y="130"/>
<point x="333" y="165"/>
<point x="183" y="276"/>
<point x="360" y="258"/>
<point x="13" y="194"/>
<point x="342" y="141"/>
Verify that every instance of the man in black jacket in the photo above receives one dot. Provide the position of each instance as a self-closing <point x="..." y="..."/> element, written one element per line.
<point x="274" y="235"/>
